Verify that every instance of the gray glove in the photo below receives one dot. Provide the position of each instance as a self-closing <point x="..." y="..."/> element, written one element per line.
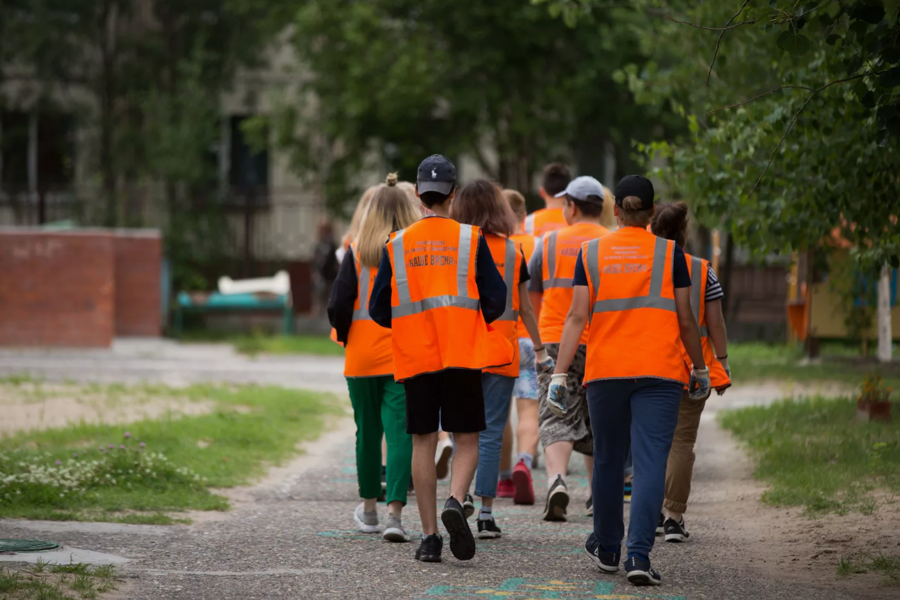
<point x="699" y="387"/>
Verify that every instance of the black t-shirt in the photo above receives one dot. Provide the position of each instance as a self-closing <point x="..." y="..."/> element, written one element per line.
<point x="681" y="277"/>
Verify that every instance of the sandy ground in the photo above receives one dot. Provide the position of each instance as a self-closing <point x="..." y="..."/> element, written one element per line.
<point x="292" y="535"/>
<point x="34" y="405"/>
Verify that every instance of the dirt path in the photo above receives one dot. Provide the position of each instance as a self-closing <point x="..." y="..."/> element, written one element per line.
<point x="292" y="536"/>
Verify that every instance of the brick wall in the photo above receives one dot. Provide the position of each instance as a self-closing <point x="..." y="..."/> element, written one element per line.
<point x="56" y="289"/>
<point x="138" y="261"/>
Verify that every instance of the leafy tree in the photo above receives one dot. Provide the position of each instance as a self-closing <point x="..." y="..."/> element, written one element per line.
<point x="793" y="116"/>
<point x="392" y="81"/>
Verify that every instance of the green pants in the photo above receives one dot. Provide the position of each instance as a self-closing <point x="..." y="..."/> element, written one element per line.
<point x="379" y="407"/>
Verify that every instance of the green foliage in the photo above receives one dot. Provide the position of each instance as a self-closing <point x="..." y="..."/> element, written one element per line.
<point x="392" y="81"/>
<point x="815" y="454"/>
<point x="793" y="111"/>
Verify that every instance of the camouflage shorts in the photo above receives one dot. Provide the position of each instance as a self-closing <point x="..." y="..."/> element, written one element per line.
<point x="576" y="426"/>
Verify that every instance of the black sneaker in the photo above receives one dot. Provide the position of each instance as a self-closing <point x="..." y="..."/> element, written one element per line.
<point x="557" y="501"/>
<point x="488" y="530"/>
<point x="675" y="532"/>
<point x="462" y="544"/>
<point x="639" y="572"/>
<point x="608" y="562"/>
<point x="430" y="548"/>
<point x="661" y="524"/>
<point x="589" y="507"/>
<point x="469" y="506"/>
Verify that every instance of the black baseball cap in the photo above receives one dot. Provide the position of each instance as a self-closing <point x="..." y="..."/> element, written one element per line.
<point x="436" y="174"/>
<point x="635" y="185"/>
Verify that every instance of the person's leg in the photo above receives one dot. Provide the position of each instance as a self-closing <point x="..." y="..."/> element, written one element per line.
<point x="654" y="410"/>
<point x="399" y="444"/>
<point x="423" y="407"/>
<point x="610" y="415"/>
<point x="425" y="480"/>
<point x="557" y="456"/>
<point x="366" y="401"/>
<point x="506" y="449"/>
<point x="680" y="467"/>
<point x="497" y="396"/>
<point x="527" y="428"/>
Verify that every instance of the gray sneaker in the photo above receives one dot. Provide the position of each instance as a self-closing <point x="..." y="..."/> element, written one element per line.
<point x="393" y="530"/>
<point x="366" y="521"/>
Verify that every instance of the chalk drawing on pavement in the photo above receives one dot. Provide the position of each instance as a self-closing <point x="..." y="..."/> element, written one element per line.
<point x="538" y="589"/>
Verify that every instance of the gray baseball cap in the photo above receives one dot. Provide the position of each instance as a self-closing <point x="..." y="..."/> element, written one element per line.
<point x="581" y="188"/>
<point x="436" y="174"/>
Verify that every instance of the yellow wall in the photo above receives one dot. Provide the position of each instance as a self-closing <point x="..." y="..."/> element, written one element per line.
<point x="827" y="321"/>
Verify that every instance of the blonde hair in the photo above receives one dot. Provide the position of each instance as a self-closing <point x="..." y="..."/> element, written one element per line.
<point x="516" y="203"/>
<point x="631" y="214"/>
<point x="390" y="209"/>
<point x="361" y="207"/>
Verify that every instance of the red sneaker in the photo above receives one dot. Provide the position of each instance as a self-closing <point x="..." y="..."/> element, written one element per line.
<point x="506" y="489"/>
<point x="524" y="487"/>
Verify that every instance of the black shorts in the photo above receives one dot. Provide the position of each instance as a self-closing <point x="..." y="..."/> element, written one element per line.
<point x="452" y="397"/>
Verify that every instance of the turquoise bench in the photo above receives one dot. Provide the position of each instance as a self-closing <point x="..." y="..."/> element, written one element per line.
<point x="214" y="302"/>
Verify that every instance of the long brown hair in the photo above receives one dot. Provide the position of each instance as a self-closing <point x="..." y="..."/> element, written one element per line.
<point x="671" y="221"/>
<point x="481" y="203"/>
<point x="390" y="209"/>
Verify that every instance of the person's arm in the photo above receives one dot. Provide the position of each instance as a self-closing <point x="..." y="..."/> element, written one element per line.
<point x="380" y="300"/>
<point x="491" y="287"/>
<point x="690" y="331"/>
<point x="342" y="298"/>
<point x="715" y="324"/>
<point x="536" y="283"/>
<point x="576" y="319"/>
<point x="526" y="311"/>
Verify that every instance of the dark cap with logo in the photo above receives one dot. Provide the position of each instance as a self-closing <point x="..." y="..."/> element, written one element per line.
<point x="436" y="174"/>
<point x="635" y="185"/>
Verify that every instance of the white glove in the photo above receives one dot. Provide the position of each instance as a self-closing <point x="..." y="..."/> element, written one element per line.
<point x="699" y="386"/>
<point x="557" y="395"/>
<point x="542" y="361"/>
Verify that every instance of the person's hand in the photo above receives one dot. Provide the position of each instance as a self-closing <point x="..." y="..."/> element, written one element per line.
<point x="699" y="386"/>
<point x="557" y="395"/>
<point x="542" y="362"/>
<point x="724" y="363"/>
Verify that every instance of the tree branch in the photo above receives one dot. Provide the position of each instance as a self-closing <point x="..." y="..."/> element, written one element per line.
<point x="722" y="29"/>
<point x="719" y="41"/>
<point x="781" y="87"/>
<point x="794" y="120"/>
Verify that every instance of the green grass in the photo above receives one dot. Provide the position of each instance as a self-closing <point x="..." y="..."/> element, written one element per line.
<point x="318" y="345"/>
<point x="840" y="363"/>
<point x="815" y="454"/>
<point x="56" y="582"/>
<point x="249" y="429"/>
<point x="886" y="565"/>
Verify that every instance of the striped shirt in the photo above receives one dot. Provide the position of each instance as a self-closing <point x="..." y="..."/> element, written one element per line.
<point x="713" y="287"/>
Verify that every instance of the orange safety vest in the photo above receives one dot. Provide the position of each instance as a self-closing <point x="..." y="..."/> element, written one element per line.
<point x="526" y="243"/>
<point x="558" y="270"/>
<point x="508" y="260"/>
<point x="634" y="328"/>
<point x="699" y="269"/>
<point x="435" y="307"/>
<point x="545" y="220"/>
<point x="368" y="350"/>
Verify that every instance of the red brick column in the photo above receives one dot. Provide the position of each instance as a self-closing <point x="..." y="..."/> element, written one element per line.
<point x="56" y="288"/>
<point x="138" y="265"/>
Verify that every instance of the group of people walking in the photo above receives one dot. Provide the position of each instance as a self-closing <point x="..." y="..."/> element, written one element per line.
<point x="452" y="301"/>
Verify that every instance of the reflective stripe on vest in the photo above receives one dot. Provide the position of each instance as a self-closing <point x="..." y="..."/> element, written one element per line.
<point x="653" y="299"/>
<point x="552" y="280"/>
<point x="461" y="300"/>
<point x="697" y="291"/>
<point x="362" y="313"/>
<point x="509" y="277"/>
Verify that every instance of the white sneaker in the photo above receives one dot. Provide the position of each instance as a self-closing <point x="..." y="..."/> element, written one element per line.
<point x="366" y="521"/>
<point x="393" y="530"/>
<point x="442" y="458"/>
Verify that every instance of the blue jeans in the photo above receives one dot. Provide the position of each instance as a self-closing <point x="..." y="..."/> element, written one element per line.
<point x="640" y="414"/>
<point x="497" y="395"/>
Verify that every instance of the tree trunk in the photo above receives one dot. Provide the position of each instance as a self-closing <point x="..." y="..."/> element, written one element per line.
<point x="884" y="315"/>
<point x="107" y="108"/>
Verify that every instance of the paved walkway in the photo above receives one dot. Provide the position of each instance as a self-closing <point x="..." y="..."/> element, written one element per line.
<point x="292" y="536"/>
